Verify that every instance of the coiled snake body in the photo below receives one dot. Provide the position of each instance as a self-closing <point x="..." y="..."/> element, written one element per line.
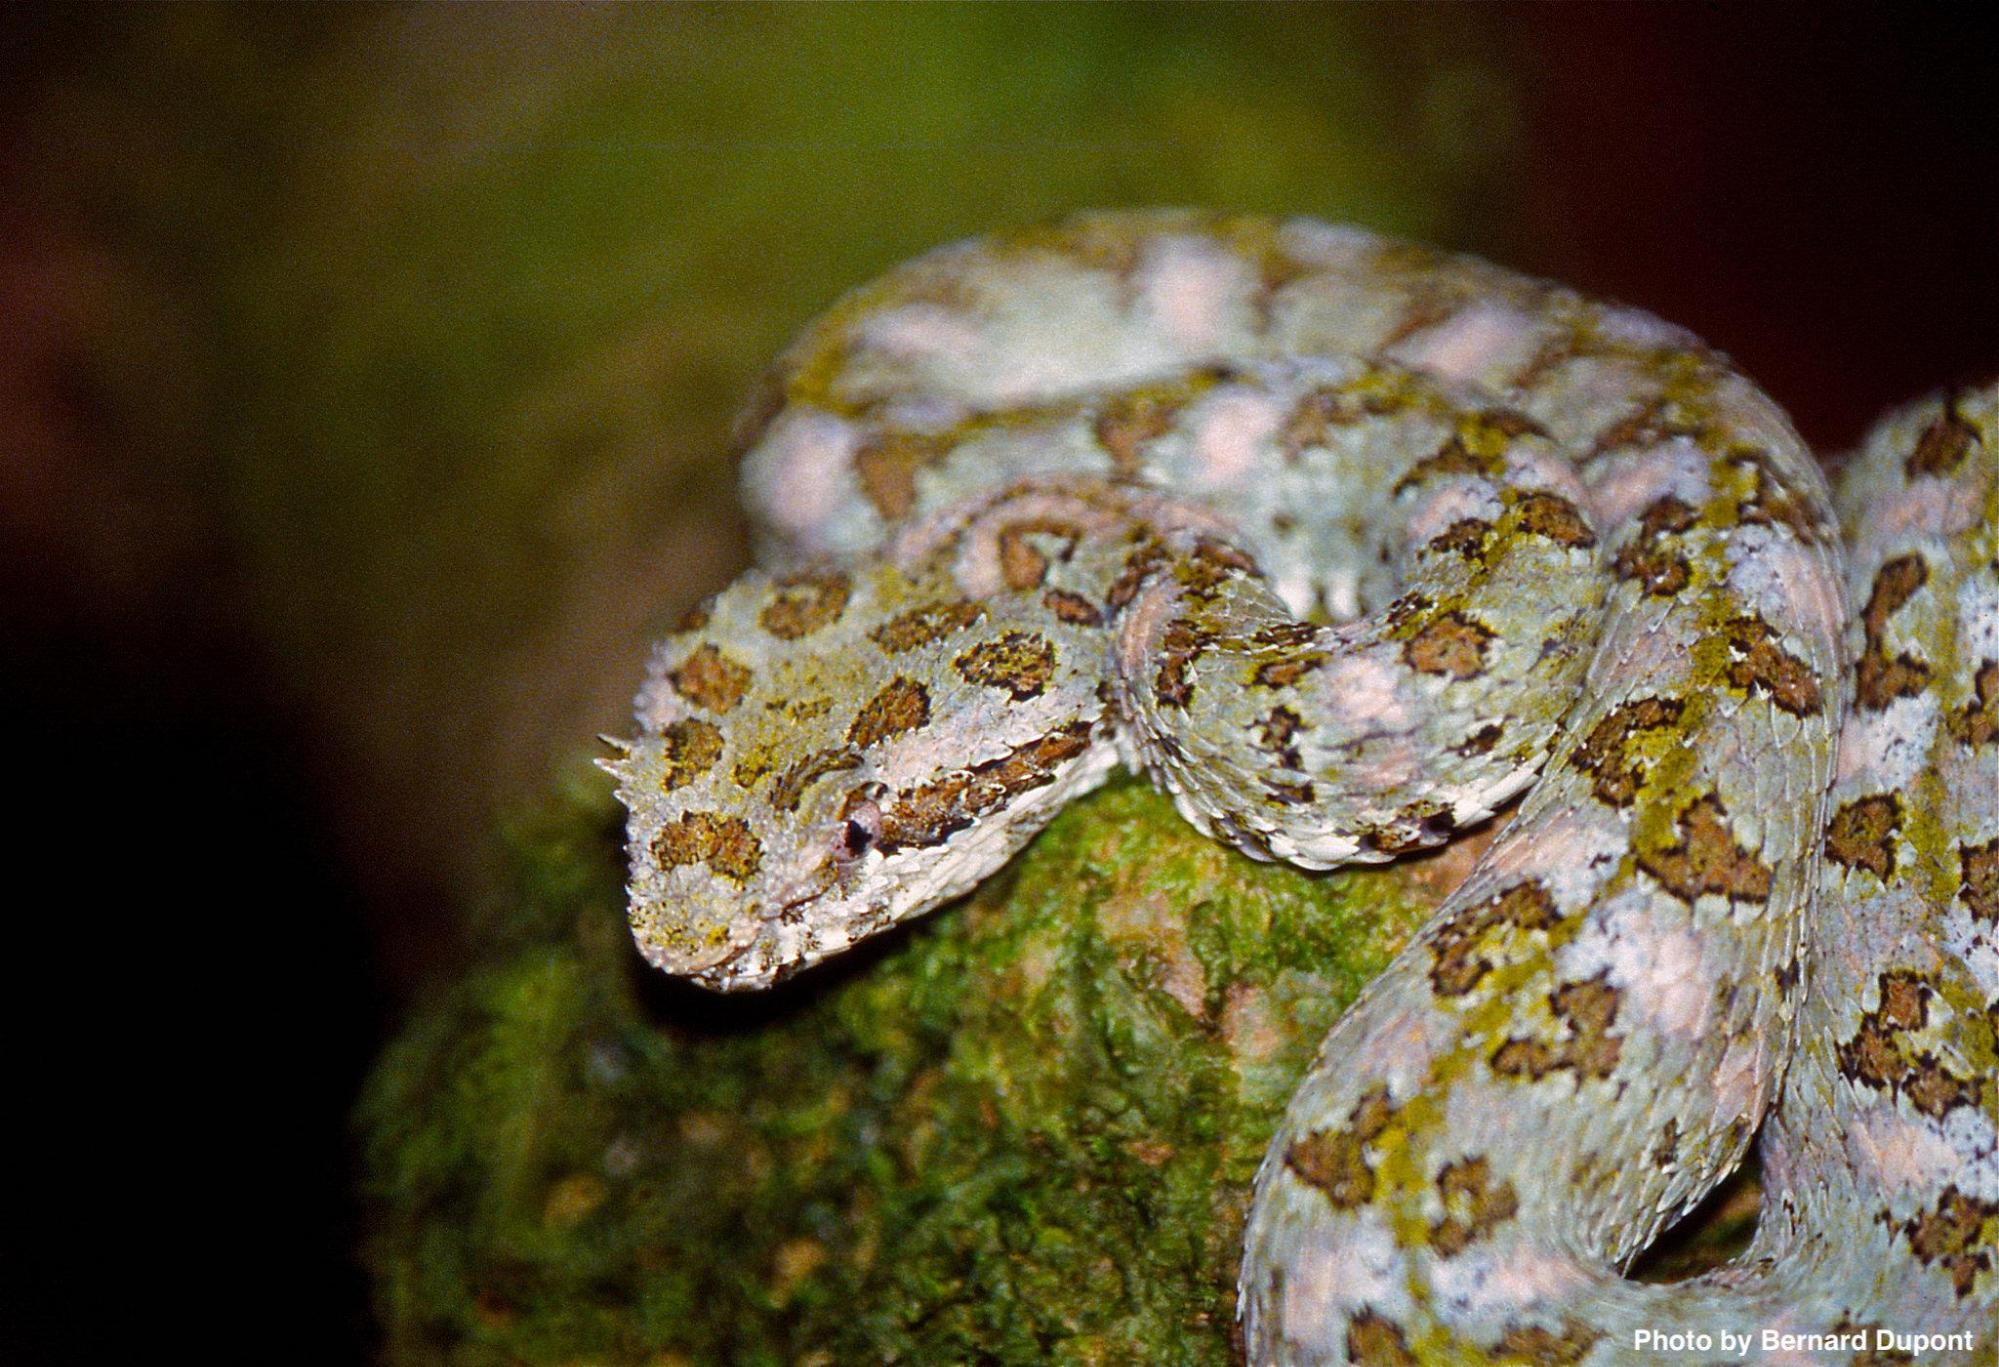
<point x="1348" y="543"/>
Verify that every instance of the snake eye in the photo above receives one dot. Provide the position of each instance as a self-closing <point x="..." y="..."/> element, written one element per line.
<point x="862" y="828"/>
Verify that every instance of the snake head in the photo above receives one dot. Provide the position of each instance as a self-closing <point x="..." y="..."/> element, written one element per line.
<point x="823" y="754"/>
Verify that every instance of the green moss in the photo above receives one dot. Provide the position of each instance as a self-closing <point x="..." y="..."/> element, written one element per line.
<point x="1024" y="1128"/>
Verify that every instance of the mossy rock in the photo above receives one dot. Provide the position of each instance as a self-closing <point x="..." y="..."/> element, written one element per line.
<point x="1023" y="1129"/>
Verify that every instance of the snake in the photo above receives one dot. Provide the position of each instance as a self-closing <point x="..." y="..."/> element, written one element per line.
<point x="1350" y="544"/>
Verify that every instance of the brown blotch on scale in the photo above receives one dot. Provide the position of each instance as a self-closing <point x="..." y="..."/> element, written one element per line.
<point x="1554" y="517"/>
<point x="1759" y="664"/>
<point x="1978" y="879"/>
<point x="928" y="815"/>
<point x="1665" y="1151"/>
<point x="1649" y="425"/>
<point x="708" y="678"/>
<point x="887" y="466"/>
<point x="804" y="604"/>
<point x="1475" y="1205"/>
<point x="1772" y="502"/>
<point x="1452" y="643"/>
<point x="1879" y="679"/>
<point x="1481" y="741"/>
<point x="1376" y="1341"/>
<point x="1953" y="1237"/>
<point x="902" y="705"/>
<point x="1465" y="537"/>
<point x="1862" y="834"/>
<point x="1606" y="753"/>
<point x="1020" y="662"/>
<point x="1212" y="565"/>
<point x="786" y="793"/>
<point x="1895" y="583"/>
<point x="1072" y="608"/>
<point x="724" y="843"/>
<point x="1285" y="673"/>
<point x="1277" y="734"/>
<point x="1457" y="945"/>
<point x="1334" y="1162"/>
<point x="1179" y="648"/>
<point x="1589" y="1008"/>
<point x="687" y="750"/>
<point x="1943" y="444"/>
<point x="1130" y="420"/>
<point x="1882" y="1055"/>
<point x="1706" y="858"/>
<point x="1659" y="569"/>
<point x="1452" y="458"/>
<point x="1143" y="562"/>
<point x="1978" y="723"/>
<point x="697" y="616"/>
<point x="1540" y="1347"/>
<point x="920" y="626"/>
<point x="1299" y="794"/>
<point x="1022" y="564"/>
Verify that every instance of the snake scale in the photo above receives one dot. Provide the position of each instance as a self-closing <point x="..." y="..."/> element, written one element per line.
<point x="1348" y="543"/>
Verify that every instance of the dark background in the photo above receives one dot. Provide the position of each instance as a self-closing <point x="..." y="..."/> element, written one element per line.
<point x="268" y="721"/>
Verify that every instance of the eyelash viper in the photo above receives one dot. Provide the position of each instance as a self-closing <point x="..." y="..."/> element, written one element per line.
<point x="1348" y="543"/>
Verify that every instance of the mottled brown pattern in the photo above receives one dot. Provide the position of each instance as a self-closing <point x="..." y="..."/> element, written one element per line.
<point x="1651" y="424"/>
<point x="1072" y="608"/>
<point x="887" y="466"/>
<point x="1023" y="565"/>
<point x="1452" y="458"/>
<point x="1879" y="680"/>
<point x="1285" y="673"/>
<point x="1178" y="649"/>
<point x="1554" y="517"/>
<point x="1278" y="734"/>
<point x="1452" y="643"/>
<point x="1977" y="723"/>
<point x="1885" y="1054"/>
<point x="687" y="750"/>
<point x="1481" y="741"/>
<point x="928" y="814"/>
<point x="789" y="790"/>
<point x="1978" y="879"/>
<point x="1538" y="1347"/>
<point x="1862" y="834"/>
<point x="803" y="604"/>
<point x="1706" y="859"/>
<point x="724" y="843"/>
<point x="1458" y="943"/>
<point x="1143" y="562"/>
<point x="1772" y="501"/>
<point x="1660" y="569"/>
<point x="1758" y="664"/>
<point x="1465" y="537"/>
<point x="1134" y="418"/>
<point x="1021" y="662"/>
<point x="1606" y="754"/>
<point x="1474" y="1205"/>
<point x="920" y="626"/>
<point x="1957" y="1236"/>
<point x="1335" y="1161"/>
<point x="902" y="705"/>
<point x="1665" y="1149"/>
<point x="1589" y="1009"/>
<point x="1317" y="415"/>
<point x="1376" y="1341"/>
<point x="711" y="679"/>
<point x="1944" y="443"/>
<point x="1895" y="583"/>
